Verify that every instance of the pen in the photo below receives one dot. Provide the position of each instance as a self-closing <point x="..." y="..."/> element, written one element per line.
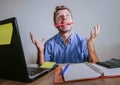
<point x="65" y="69"/>
<point x="64" y="24"/>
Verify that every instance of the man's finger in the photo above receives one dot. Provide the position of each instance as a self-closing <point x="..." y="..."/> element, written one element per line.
<point x="43" y="40"/>
<point x="31" y="36"/>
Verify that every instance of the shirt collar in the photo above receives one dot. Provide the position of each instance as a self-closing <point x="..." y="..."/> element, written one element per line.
<point x="71" y="39"/>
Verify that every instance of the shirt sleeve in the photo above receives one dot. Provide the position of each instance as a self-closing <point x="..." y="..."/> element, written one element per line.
<point x="85" y="50"/>
<point x="47" y="52"/>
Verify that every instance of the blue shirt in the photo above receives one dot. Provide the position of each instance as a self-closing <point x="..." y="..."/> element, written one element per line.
<point x="75" y="52"/>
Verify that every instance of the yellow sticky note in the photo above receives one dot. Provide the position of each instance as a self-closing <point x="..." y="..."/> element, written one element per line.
<point x="6" y="33"/>
<point x="47" y="65"/>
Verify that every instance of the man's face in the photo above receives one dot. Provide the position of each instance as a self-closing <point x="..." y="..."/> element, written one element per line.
<point x="63" y="17"/>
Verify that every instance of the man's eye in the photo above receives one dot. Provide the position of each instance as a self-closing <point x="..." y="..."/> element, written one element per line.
<point x="59" y="16"/>
<point x="67" y="15"/>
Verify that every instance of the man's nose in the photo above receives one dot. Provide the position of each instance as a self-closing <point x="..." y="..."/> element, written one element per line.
<point x="64" y="17"/>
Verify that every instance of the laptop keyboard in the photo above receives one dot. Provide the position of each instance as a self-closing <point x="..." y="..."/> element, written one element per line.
<point x="33" y="70"/>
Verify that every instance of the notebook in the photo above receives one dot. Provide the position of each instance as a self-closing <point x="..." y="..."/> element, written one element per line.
<point x="12" y="60"/>
<point x="83" y="71"/>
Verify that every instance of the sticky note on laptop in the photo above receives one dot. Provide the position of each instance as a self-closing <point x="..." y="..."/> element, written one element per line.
<point x="6" y="33"/>
<point x="48" y="65"/>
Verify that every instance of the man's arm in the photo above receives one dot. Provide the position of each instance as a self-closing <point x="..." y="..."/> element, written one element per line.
<point x="90" y="44"/>
<point x="40" y="49"/>
<point x="92" y="54"/>
<point x="40" y="58"/>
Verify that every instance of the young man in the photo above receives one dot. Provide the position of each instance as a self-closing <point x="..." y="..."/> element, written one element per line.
<point x="66" y="46"/>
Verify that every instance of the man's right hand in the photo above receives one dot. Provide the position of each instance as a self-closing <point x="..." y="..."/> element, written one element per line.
<point x="39" y="45"/>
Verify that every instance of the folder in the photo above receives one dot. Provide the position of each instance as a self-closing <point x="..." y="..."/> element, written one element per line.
<point x="84" y="71"/>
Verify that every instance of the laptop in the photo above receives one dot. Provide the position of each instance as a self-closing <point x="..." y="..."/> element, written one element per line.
<point x="12" y="60"/>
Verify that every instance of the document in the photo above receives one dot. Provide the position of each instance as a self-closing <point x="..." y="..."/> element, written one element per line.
<point x="109" y="72"/>
<point x="84" y="71"/>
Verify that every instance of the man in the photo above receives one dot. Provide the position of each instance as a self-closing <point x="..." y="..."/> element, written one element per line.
<point x="66" y="46"/>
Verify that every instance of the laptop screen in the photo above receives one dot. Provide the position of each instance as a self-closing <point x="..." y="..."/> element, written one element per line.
<point x="12" y="60"/>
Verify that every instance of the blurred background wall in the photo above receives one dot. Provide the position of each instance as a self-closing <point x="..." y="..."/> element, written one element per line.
<point x="36" y="16"/>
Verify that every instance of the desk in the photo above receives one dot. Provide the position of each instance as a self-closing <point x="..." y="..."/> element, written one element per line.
<point x="48" y="79"/>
